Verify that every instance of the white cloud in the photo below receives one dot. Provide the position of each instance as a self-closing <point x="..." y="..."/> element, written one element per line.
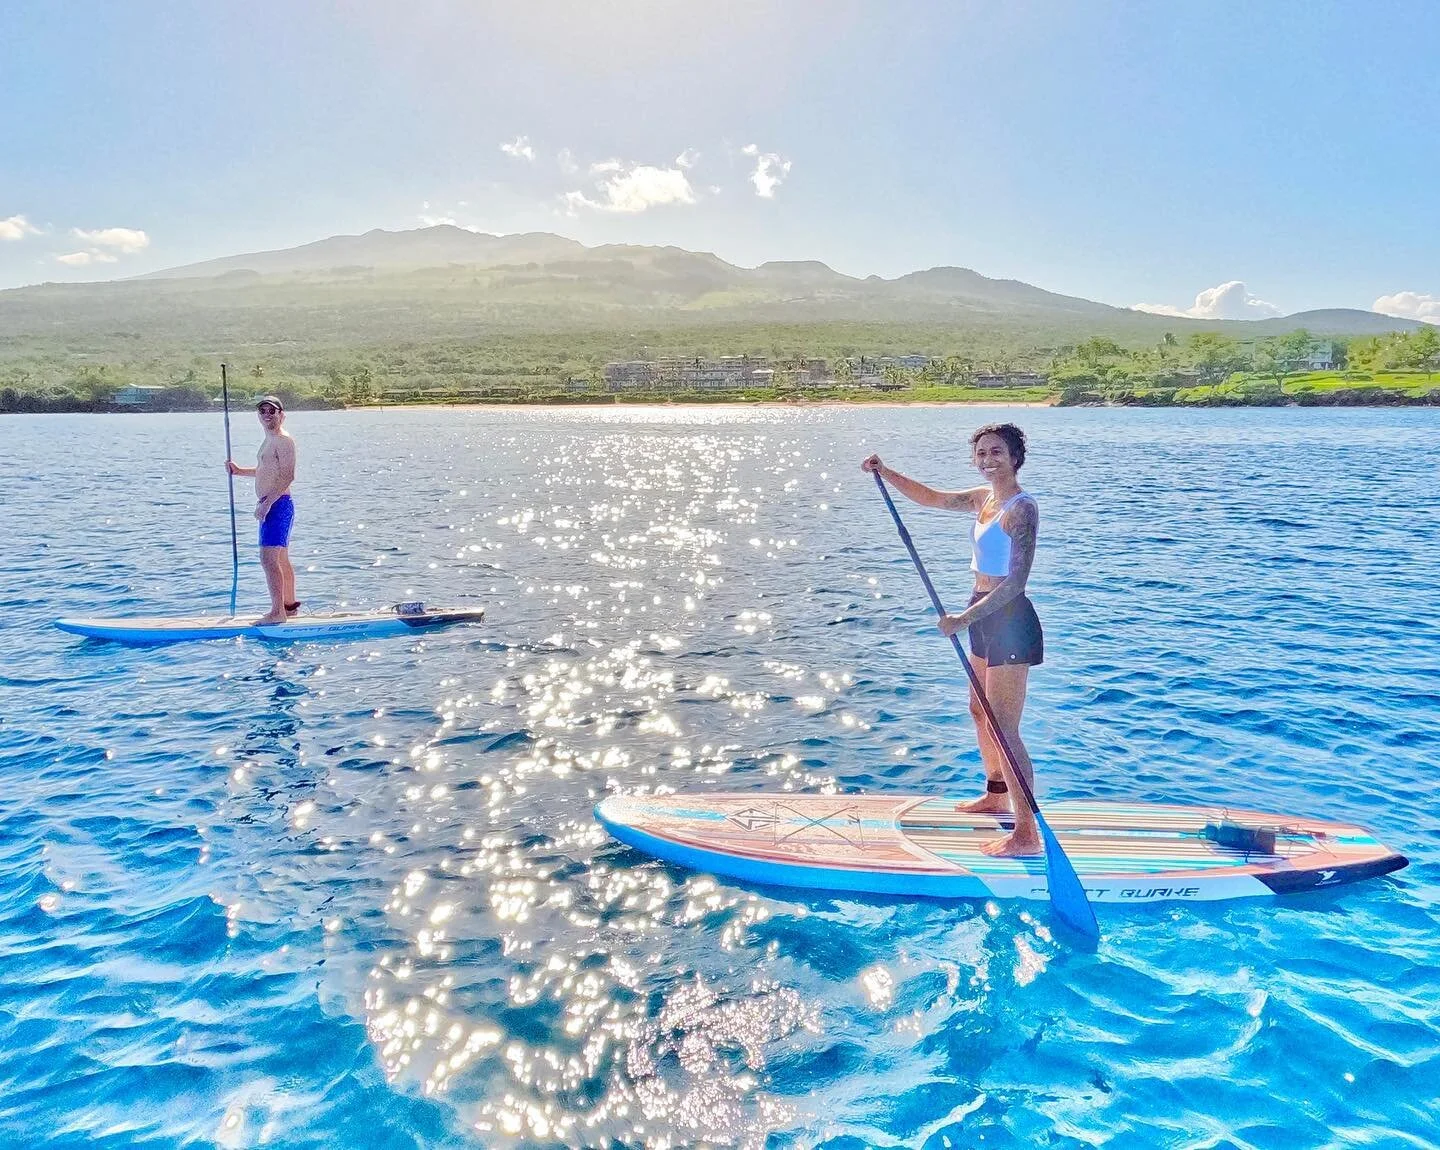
<point x="81" y="259"/>
<point x="1160" y="309"/>
<point x="566" y="159"/>
<point x="125" y="240"/>
<point x="433" y="215"/>
<point x="120" y="241"/>
<point x="1410" y="305"/>
<point x="1230" y="300"/>
<point x="632" y="188"/>
<point x="17" y="228"/>
<point x="519" y="148"/>
<point x="687" y="158"/>
<point x="771" y="168"/>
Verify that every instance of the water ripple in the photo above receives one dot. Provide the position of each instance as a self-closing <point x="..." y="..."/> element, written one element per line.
<point x="354" y="894"/>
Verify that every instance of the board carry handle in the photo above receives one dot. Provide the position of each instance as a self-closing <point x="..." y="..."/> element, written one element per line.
<point x="1067" y="894"/>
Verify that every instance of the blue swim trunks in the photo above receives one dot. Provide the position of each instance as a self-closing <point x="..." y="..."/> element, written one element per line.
<point x="275" y="527"/>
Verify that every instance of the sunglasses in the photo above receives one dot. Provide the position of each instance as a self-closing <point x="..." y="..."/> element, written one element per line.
<point x="268" y="409"/>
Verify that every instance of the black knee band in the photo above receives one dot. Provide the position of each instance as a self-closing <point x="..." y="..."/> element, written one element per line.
<point x="996" y="787"/>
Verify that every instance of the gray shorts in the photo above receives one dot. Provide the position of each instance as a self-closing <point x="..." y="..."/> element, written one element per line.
<point x="1011" y="635"/>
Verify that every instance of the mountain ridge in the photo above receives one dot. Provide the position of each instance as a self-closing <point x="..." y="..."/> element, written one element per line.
<point x="445" y="282"/>
<point x="435" y="245"/>
<point x="450" y="244"/>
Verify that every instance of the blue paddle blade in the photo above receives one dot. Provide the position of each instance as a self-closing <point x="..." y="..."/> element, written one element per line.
<point x="1067" y="895"/>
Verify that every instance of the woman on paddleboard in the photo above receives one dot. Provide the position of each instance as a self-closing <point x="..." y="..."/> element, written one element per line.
<point x="1005" y="636"/>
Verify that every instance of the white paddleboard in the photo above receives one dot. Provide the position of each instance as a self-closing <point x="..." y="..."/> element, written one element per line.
<point x="344" y="625"/>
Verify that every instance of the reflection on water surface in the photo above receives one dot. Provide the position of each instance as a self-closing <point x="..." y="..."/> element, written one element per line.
<point x="355" y="893"/>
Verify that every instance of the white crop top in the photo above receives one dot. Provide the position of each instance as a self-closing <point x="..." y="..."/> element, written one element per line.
<point x="991" y="543"/>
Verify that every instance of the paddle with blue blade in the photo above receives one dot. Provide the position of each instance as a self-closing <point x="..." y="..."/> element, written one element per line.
<point x="1067" y="895"/>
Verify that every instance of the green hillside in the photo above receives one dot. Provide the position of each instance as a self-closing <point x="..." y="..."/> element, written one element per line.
<point x="445" y="310"/>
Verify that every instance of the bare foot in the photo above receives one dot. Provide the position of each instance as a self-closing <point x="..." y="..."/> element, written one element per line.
<point x="986" y="804"/>
<point x="1014" y="845"/>
<point x="268" y="620"/>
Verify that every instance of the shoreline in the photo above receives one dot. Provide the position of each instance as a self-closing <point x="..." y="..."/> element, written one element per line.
<point x="1367" y="394"/>
<point x="472" y="405"/>
<point x="771" y="404"/>
<point x="780" y="404"/>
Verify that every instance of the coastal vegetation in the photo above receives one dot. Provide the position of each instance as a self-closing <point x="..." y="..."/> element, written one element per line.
<point x="1214" y="370"/>
<point x="1205" y="369"/>
<point x="444" y="315"/>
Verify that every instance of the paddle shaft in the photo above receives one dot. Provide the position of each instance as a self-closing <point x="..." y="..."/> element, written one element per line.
<point x="234" y="535"/>
<point x="959" y="650"/>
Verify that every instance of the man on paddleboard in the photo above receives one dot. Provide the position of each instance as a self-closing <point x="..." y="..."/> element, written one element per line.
<point x="274" y="472"/>
<point x="1005" y="635"/>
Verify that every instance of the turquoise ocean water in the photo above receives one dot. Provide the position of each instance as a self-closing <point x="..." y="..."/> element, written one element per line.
<point x="351" y="894"/>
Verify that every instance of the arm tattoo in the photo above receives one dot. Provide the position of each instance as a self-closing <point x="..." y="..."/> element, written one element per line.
<point x="1023" y="526"/>
<point x="963" y="500"/>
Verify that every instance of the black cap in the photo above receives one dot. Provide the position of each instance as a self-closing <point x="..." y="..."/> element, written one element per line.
<point x="270" y="399"/>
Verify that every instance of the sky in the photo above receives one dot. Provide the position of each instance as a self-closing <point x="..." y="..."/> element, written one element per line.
<point x="1224" y="158"/>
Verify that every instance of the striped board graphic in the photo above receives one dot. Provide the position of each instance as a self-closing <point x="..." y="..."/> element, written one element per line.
<point x="354" y="625"/>
<point x="920" y="846"/>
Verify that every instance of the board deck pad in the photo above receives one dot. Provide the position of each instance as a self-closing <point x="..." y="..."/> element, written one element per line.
<point x="922" y="846"/>
<point x="340" y="625"/>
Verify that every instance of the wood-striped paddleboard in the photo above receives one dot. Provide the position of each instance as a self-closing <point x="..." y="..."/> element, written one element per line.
<point x="918" y="846"/>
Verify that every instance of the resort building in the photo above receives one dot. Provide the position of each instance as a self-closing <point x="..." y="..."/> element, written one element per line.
<point x="674" y="373"/>
<point x="632" y="375"/>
